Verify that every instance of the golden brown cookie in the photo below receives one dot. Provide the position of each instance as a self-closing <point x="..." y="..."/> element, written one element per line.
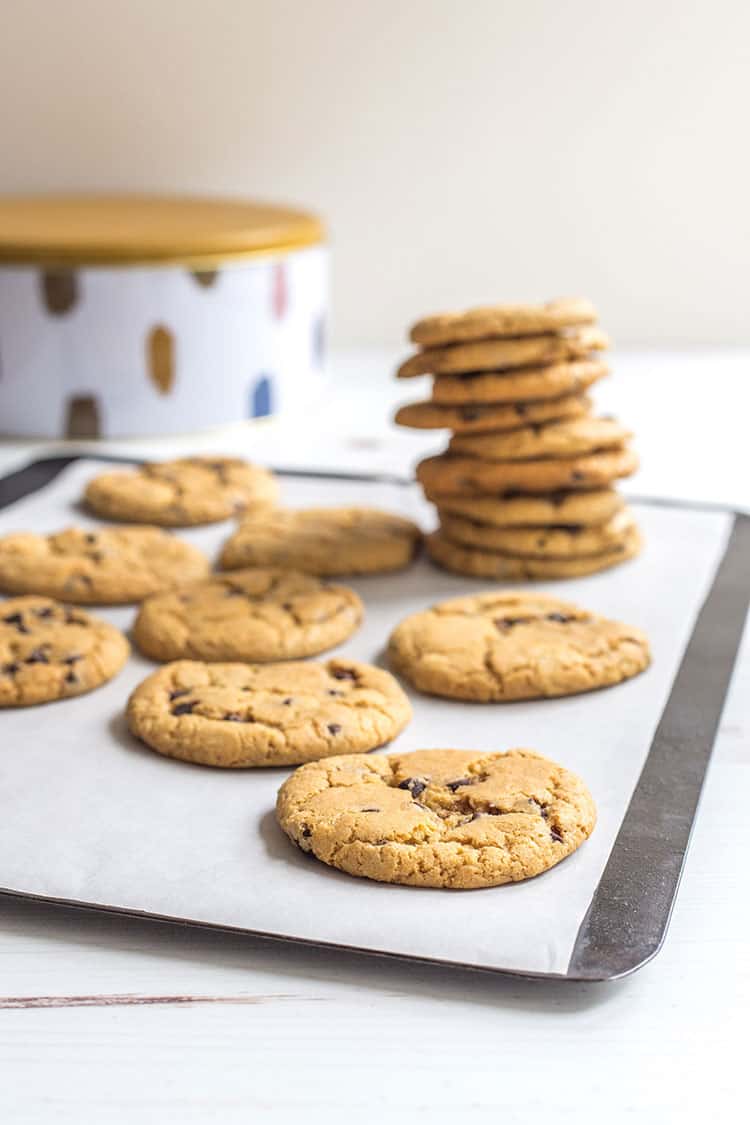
<point x="477" y="563"/>
<point x="445" y="475"/>
<point x="438" y="818"/>
<point x="181" y="493"/>
<point x="107" y="567"/>
<point x="236" y="715"/>
<point x="325" y="541"/>
<point x="503" y="320"/>
<point x="562" y="438"/>
<point x="254" y="615"/>
<point x="540" y="542"/>
<point x="524" y="385"/>
<point x="494" y="355"/>
<point x="472" y="419"/>
<point x="503" y="646"/>
<point x="53" y="651"/>
<point x="558" y="509"/>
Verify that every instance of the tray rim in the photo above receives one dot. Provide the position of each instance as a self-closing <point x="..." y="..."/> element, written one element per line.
<point x="691" y="715"/>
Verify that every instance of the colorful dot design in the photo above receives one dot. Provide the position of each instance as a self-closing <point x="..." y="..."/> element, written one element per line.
<point x="160" y="358"/>
<point x="60" y="291"/>
<point x="261" y="397"/>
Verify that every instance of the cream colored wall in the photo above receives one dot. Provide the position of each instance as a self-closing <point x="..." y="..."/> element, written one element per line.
<point x="462" y="151"/>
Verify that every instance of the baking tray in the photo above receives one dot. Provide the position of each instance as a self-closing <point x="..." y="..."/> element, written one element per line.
<point x="71" y="832"/>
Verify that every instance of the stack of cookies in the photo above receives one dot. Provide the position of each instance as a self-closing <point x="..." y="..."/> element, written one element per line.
<point x="525" y="488"/>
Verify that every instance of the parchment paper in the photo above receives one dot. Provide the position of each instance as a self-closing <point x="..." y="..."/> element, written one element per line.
<point x="90" y="815"/>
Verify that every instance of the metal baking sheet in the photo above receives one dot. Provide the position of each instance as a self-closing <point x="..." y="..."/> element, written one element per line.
<point x="93" y="818"/>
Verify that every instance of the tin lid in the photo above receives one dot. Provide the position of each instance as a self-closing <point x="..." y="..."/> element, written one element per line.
<point x="80" y="230"/>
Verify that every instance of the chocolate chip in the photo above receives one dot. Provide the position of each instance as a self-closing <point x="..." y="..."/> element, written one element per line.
<point x="307" y="832"/>
<point x="71" y="678"/>
<point x="332" y="691"/>
<point x="91" y="538"/>
<point x="454" y="785"/>
<point x="233" y="717"/>
<point x="562" y="618"/>
<point x="556" y="834"/>
<point x="372" y="808"/>
<point x="343" y="674"/>
<point x="414" y="785"/>
<point x="96" y="556"/>
<point x="521" y="409"/>
<point x="178" y="693"/>
<point x="505" y="624"/>
<point x="470" y="413"/>
<point x="73" y="618"/>
<point x="72" y="658"/>
<point x="183" y="708"/>
<point x="46" y="612"/>
<point x="577" y="475"/>
<point x="334" y="728"/>
<point x="286" y="702"/>
<point x="38" y="656"/>
<point x="17" y="620"/>
<point x="10" y="669"/>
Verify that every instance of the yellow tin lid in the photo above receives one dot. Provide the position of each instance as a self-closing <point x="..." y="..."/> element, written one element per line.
<point x="98" y="230"/>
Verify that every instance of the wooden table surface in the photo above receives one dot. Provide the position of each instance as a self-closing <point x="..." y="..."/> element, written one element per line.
<point x="108" y="1019"/>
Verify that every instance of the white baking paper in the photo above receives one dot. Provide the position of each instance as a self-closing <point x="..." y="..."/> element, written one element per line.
<point x="92" y="816"/>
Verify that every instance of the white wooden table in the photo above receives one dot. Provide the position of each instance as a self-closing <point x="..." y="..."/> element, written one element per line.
<point x="105" y="1019"/>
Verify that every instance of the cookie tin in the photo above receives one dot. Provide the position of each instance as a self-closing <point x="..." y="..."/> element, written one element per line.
<point x="139" y="316"/>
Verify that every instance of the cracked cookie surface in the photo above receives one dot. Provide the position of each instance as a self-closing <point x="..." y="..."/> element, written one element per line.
<point x="108" y="567"/>
<point x="502" y="320"/>
<point x="256" y="615"/>
<point x="502" y="354"/>
<point x="438" y="818"/>
<point x="237" y="715"/>
<point x="479" y="563"/>
<point x="323" y="541"/>
<point x="183" y="492"/>
<point x="523" y="385"/>
<point x="51" y="651"/>
<point x="502" y="646"/>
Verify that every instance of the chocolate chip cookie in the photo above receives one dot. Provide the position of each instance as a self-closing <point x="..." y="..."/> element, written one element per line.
<point x="475" y="388"/>
<point x="559" y="438"/>
<point x="324" y="541"/>
<point x="52" y="651"/>
<point x="540" y="542"/>
<point x="505" y="646"/>
<point x="438" y="818"/>
<point x="107" y="567"/>
<point x="499" y="354"/>
<point x="503" y="320"/>
<point x="475" y="419"/>
<point x="448" y="475"/>
<point x="181" y="493"/>
<point x="238" y="715"/>
<point x="478" y="563"/>
<point x="556" y="509"/>
<point x="255" y="615"/>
